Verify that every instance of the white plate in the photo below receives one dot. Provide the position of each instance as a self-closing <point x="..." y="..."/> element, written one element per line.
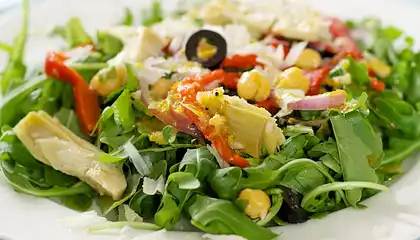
<point x="393" y="215"/>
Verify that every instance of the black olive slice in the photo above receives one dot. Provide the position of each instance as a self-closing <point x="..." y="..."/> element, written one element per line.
<point x="291" y="211"/>
<point x="216" y="39"/>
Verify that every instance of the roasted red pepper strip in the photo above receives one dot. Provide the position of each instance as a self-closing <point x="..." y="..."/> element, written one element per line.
<point x="241" y="61"/>
<point x="187" y="91"/>
<point x="86" y="100"/>
<point x="379" y="86"/>
<point x="338" y="29"/>
<point x="316" y="77"/>
<point x="269" y="104"/>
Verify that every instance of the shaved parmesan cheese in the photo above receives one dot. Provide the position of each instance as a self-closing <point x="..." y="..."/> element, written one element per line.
<point x="82" y="221"/>
<point x="151" y="186"/>
<point x="294" y="54"/>
<point x="286" y="96"/>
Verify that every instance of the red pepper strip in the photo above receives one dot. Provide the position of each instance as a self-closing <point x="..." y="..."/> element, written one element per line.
<point x="316" y="77"/>
<point x="187" y="90"/>
<point x="379" y="86"/>
<point x="338" y="29"/>
<point x="230" y="79"/>
<point x="241" y="61"/>
<point x="269" y="104"/>
<point x="199" y="117"/>
<point x="86" y="100"/>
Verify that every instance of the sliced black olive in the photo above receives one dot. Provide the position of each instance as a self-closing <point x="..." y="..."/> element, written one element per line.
<point x="291" y="210"/>
<point x="215" y="39"/>
<point x="230" y="91"/>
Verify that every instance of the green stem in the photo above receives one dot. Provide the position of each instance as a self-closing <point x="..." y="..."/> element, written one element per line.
<point x="135" y="225"/>
<point x="6" y="47"/>
<point x="402" y="154"/>
<point x="16" y="53"/>
<point x="336" y="186"/>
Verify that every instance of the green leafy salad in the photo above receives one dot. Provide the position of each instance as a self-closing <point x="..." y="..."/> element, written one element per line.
<point x="229" y="118"/>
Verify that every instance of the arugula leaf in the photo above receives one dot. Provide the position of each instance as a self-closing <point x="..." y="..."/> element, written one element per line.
<point x="80" y="202"/>
<point x="11" y="105"/>
<point x="169" y="212"/>
<point x="399" y="114"/>
<point x="57" y="178"/>
<point x="108" y="44"/>
<point x="123" y="111"/>
<point x="72" y="32"/>
<point x="363" y="129"/>
<point x="195" y="166"/>
<point x="354" y="164"/>
<point x="303" y="179"/>
<point x="223" y="217"/>
<point x="399" y="150"/>
<point x="69" y="119"/>
<point x="413" y="92"/>
<point x="276" y="203"/>
<point x="226" y="182"/>
<point x="22" y="184"/>
<point x="152" y="15"/>
<point x="128" y="19"/>
<point x="144" y="205"/>
<point x="169" y="134"/>
<point x="358" y="72"/>
<point x="6" y="47"/>
<point x="15" y="69"/>
<point x="107" y="204"/>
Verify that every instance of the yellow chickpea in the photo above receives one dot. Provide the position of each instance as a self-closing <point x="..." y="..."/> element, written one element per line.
<point x="109" y="79"/>
<point x="293" y="78"/>
<point x="309" y="59"/>
<point x="253" y="86"/>
<point x="259" y="203"/>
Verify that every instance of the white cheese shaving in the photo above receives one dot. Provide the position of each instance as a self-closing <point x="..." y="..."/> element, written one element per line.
<point x="294" y="53"/>
<point x="151" y="186"/>
<point x="82" y="221"/>
<point x="284" y="97"/>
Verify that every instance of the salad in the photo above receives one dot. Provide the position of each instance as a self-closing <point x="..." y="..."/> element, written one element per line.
<point x="229" y="117"/>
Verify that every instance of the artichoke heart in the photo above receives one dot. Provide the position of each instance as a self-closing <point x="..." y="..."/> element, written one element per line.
<point x="252" y="127"/>
<point x="53" y="144"/>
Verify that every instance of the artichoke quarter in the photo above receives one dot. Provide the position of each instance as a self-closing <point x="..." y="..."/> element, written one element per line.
<point x="53" y="144"/>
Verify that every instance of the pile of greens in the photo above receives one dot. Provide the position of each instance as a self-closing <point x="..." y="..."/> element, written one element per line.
<point x="331" y="159"/>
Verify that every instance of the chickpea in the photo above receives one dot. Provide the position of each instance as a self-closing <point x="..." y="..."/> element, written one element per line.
<point x="309" y="59"/>
<point x="109" y="79"/>
<point x="253" y="86"/>
<point x="161" y="88"/>
<point x="258" y="203"/>
<point x="293" y="78"/>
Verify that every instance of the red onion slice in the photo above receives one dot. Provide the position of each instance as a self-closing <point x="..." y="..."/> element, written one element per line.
<point x="319" y="102"/>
